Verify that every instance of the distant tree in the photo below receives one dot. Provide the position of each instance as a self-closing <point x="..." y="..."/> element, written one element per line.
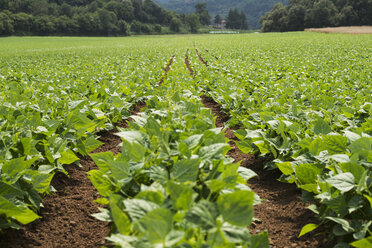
<point x="217" y="19"/>
<point x="123" y="27"/>
<point x="202" y="11"/>
<point x="122" y="9"/>
<point x="154" y="12"/>
<point x="138" y="12"/>
<point x="193" y="22"/>
<point x="6" y="23"/>
<point x="108" y="21"/>
<point x="323" y="14"/>
<point x="296" y="18"/>
<point x="39" y="7"/>
<point x="22" y="22"/>
<point x="243" y="21"/>
<point x="66" y="25"/>
<point x="4" y="4"/>
<point x="236" y="20"/>
<point x="135" y="27"/>
<point x="157" y="28"/>
<point x="276" y="20"/>
<point x="66" y="10"/>
<point x="89" y="23"/>
<point x="175" y="24"/>
<point x="348" y="16"/>
<point x="89" y="17"/>
<point x="44" y="25"/>
<point x="300" y="14"/>
<point x="200" y="8"/>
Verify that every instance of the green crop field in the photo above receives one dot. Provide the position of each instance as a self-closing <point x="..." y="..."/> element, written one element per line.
<point x="300" y="102"/>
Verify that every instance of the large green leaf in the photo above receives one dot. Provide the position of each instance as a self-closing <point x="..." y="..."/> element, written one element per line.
<point x="335" y="144"/>
<point x="68" y="157"/>
<point x="343" y="182"/>
<point x="307" y="173"/>
<point x="361" y="146"/>
<point x="137" y="208"/>
<point x="156" y="225"/>
<point x="14" y="168"/>
<point x="91" y="144"/>
<point x="363" y="243"/>
<point x="209" y="152"/>
<point x="237" y="207"/>
<point x="181" y="195"/>
<point x="321" y="127"/>
<point x="307" y="228"/>
<point x="260" y="240"/>
<point x="204" y="214"/>
<point x="134" y="137"/>
<point x="103" y="160"/>
<point x="119" y="217"/>
<point x="21" y="213"/>
<point x="120" y="170"/>
<point x="186" y="170"/>
<point x="101" y="182"/>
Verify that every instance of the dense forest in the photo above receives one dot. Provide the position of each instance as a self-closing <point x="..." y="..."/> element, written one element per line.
<point x="253" y="9"/>
<point x="301" y="14"/>
<point x="87" y="17"/>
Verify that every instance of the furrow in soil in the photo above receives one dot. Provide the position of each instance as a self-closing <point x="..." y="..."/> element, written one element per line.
<point x="66" y="216"/>
<point x="282" y="213"/>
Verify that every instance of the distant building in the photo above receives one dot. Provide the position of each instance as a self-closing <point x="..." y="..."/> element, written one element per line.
<point x="221" y="25"/>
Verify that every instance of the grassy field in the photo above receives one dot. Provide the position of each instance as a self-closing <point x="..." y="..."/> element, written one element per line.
<point x="298" y="103"/>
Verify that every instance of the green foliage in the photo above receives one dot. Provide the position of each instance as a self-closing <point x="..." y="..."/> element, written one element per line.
<point x="307" y="117"/>
<point x="107" y="18"/>
<point x="236" y="20"/>
<point x="252" y="9"/>
<point x="306" y="111"/>
<point x="312" y="14"/>
<point x="193" y="22"/>
<point x="181" y="190"/>
<point x="50" y="112"/>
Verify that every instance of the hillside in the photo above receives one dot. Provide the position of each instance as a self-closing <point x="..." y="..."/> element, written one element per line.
<point x="253" y="9"/>
<point x="83" y="17"/>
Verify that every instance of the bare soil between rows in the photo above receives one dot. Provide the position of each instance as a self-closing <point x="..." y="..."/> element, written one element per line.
<point x="282" y="214"/>
<point x="67" y="220"/>
<point x="66" y="216"/>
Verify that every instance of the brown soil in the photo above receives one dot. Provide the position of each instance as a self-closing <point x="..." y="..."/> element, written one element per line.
<point x="167" y="69"/>
<point x="282" y="214"/>
<point x="66" y="217"/>
<point x="187" y="63"/>
<point x="200" y="58"/>
<point x="344" y="30"/>
<point x="212" y="54"/>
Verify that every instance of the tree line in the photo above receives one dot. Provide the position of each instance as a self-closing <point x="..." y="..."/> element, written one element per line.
<point x="95" y="17"/>
<point x="301" y="14"/>
<point x="253" y="9"/>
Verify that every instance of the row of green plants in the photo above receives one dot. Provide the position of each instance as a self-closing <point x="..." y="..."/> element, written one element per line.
<point x="49" y="114"/>
<point x="310" y="119"/>
<point x="173" y="185"/>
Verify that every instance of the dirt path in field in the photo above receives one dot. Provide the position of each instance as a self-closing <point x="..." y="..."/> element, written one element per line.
<point x="66" y="217"/>
<point x="212" y="54"/>
<point x="187" y="63"/>
<point x="167" y="69"/>
<point x="343" y="30"/>
<point x="200" y="58"/>
<point x="282" y="214"/>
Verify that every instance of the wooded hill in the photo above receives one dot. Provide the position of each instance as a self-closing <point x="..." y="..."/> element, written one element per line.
<point x="300" y="14"/>
<point x="253" y="9"/>
<point x="84" y="17"/>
